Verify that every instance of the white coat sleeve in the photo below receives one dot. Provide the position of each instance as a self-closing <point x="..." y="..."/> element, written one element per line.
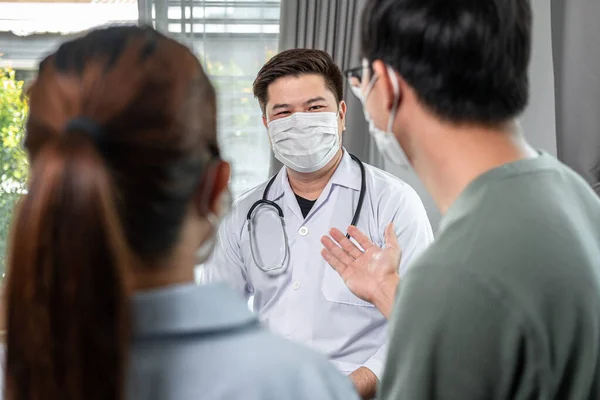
<point x="377" y="361"/>
<point x="226" y="263"/>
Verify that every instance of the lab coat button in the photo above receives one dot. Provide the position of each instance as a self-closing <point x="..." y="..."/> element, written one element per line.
<point x="303" y="231"/>
<point x="296" y="285"/>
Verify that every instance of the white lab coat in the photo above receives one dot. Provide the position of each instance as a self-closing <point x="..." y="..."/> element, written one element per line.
<point x="310" y="303"/>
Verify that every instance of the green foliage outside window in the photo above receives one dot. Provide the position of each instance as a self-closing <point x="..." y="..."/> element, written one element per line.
<point x="13" y="161"/>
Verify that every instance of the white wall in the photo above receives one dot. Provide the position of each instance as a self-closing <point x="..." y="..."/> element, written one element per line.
<point x="539" y="122"/>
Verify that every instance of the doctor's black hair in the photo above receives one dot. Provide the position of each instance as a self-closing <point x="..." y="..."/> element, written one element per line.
<point x="298" y="62"/>
<point x="467" y="60"/>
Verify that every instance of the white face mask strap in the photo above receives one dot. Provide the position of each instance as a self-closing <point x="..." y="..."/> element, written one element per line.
<point x="370" y="87"/>
<point x="396" y="88"/>
<point x="213" y="220"/>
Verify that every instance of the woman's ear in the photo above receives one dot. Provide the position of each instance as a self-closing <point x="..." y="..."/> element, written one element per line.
<point x="212" y="188"/>
<point x="221" y="185"/>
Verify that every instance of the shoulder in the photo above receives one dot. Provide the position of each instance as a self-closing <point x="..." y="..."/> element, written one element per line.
<point x="388" y="186"/>
<point x="250" y="196"/>
<point x="268" y="364"/>
<point x="240" y="207"/>
<point x="394" y="197"/>
<point x="274" y="353"/>
<point x="385" y="179"/>
<point x="252" y="364"/>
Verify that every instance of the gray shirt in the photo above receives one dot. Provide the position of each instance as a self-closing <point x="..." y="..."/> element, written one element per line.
<point x="506" y="303"/>
<point x="201" y="342"/>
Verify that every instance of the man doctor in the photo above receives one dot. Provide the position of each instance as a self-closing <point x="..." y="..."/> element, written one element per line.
<point x="277" y="260"/>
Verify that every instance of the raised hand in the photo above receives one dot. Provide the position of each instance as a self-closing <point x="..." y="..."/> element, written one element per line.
<point x="371" y="274"/>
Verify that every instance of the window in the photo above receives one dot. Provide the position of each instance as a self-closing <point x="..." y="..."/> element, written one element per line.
<point x="233" y="39"/>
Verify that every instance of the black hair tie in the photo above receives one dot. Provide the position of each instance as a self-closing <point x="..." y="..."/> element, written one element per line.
<point x="85" y="125"/>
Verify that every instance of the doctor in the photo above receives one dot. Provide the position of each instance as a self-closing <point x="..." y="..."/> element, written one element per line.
<point x="269" y="246"/>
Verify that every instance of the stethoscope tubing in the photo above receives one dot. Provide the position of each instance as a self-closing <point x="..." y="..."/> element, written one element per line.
<point x="278" y="269"/>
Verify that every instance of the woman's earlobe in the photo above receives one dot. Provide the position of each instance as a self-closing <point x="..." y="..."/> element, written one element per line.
<point x="221" y="185"/>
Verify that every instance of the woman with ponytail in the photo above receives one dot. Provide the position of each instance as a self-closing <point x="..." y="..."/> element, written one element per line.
<point x="126" y="185"/>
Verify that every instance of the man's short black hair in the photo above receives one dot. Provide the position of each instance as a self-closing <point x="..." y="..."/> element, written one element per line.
<point x="298" y="62"/>
<point x="466" y="59"/>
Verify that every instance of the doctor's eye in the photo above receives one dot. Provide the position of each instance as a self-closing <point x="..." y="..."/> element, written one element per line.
<point x="315" y="108"/>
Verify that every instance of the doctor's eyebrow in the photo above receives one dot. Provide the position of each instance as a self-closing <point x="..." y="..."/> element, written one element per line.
<point x="306" y="103"/>
<point x="279" y="106"/>
<point x="314" y="100"/>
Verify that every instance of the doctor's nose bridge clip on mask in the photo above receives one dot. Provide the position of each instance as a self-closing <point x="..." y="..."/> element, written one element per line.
<point x="281" y="267"/>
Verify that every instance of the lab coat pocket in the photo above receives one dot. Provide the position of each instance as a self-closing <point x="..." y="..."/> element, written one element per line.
<point x="335" y="290"/>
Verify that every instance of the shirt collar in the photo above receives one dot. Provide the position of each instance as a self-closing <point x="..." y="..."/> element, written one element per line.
<point x="185" y="309"/>
<point x="347" y="174"/>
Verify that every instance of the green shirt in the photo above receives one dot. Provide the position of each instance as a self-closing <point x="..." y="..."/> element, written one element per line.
<point x="506" y="303"/>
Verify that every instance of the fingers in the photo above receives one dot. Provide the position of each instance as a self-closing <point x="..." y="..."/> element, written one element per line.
<point x="361" y="238"/>
<point x="339" y="266"/>
<point x="391" y="240"/>
<point x="346" y="244"/>
<point x="354" y="82"/>
<point x="337" y="253"/>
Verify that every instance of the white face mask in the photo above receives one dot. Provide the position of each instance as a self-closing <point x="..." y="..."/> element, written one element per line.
<point x="386" y="141"/>
<point x="305" y="142"/>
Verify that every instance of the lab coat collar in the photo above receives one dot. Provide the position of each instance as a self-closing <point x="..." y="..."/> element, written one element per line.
<point x="347" y="175"/>
<point x="189" y="309"/>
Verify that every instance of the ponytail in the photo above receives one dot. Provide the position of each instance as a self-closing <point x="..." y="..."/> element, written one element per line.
<point x="67" y="294"/>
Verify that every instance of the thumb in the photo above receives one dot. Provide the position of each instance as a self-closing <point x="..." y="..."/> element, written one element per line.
<point x="391" y="240"/>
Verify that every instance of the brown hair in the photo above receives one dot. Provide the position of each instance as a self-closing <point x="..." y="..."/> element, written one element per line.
<point x="99" y="200"/>
<point x="297" y="62"/>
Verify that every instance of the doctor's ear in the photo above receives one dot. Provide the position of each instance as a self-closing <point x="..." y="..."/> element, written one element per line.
<point x="212" y="188"/>
<point x="343" y="109"/>
<point x="265" y="122"/>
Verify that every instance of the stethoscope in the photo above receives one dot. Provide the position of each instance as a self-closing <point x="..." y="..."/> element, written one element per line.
<point x="280" y="268"/>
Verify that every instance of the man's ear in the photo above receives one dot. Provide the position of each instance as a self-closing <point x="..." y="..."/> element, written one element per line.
<point x="217" y="177"/>
<point x="343" y="109"/>
<point x="385" y="87"/>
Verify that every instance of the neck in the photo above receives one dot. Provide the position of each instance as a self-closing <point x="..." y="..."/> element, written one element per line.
<point x="455" y="156"/>
<point x="311" y="185"/>
<point x="178" y="267"/>
<point x="163" y="276"/>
